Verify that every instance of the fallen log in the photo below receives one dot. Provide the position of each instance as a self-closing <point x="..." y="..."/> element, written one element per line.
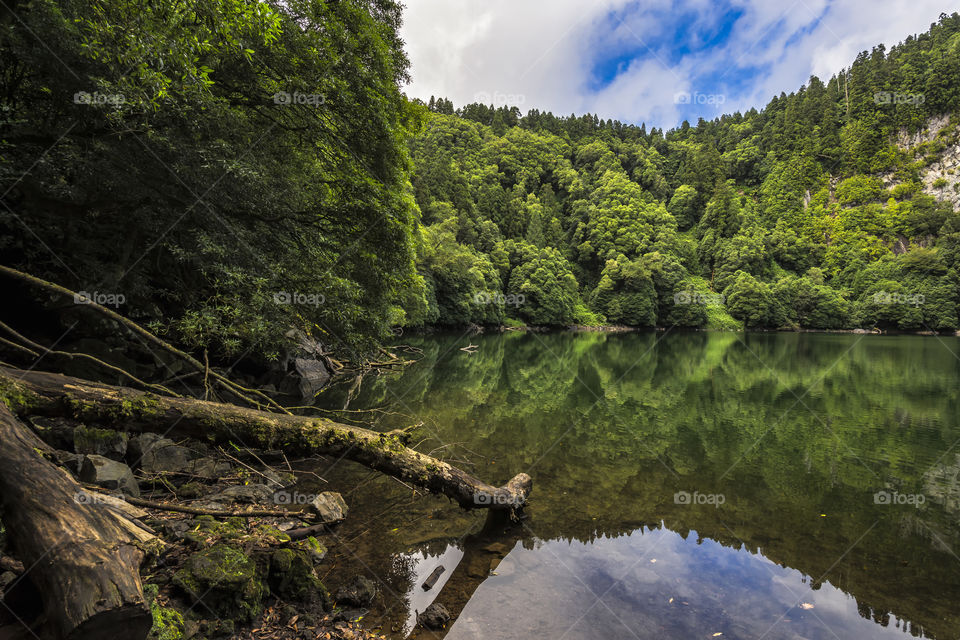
<point x="83" y="557"/>
<point x="51" y="394"/>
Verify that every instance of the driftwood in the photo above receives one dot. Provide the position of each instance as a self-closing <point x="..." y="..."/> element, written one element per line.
<point x="50" y="394"/>
<point x="84" y="556"/>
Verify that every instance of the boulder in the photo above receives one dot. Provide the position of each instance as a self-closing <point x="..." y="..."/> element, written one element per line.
<point x="360" y="593"/>
<point x="138" y="445"/>
<point x="312" y="547"/>
<point x="165" y="455"/>
<point x="225" y="580"/>
<point x="435" y="616"/>
<point x="329" y="506"/>
<point x="246" y="493"/>
<point x="292" y="576"/>
<point x="313" y="376"/>
<point x="108" y="474"/>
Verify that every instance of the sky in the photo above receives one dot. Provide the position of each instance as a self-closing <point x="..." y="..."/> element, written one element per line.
<point x="658" y="62"/>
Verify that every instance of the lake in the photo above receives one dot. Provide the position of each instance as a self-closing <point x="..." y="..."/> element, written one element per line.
<point x="686" y="485"/>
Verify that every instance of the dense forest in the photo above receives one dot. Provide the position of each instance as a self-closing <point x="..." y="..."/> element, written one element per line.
<point x="250" y="171"/>
<point x="816" y="211"/>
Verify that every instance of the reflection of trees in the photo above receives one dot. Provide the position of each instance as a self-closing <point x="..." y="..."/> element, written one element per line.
<point x="610" y="426"/>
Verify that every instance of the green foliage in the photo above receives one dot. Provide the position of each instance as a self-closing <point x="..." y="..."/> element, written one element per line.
<point x="222" y="194"/>
<point x="752" y="302"/>
<point x="204" y="159"/>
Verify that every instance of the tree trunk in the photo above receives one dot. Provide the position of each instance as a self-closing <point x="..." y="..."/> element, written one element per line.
<point x="82" y="555"/>
<point x="50" y="394"/>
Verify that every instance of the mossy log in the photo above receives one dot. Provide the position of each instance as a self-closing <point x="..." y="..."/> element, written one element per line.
<point x="83" y="556"/>
<point x="51" y="394"/>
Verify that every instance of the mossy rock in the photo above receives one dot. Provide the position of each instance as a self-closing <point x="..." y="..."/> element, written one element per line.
<point x="313" y="548"/>
<point x="168" y="623"/>
<point x="101" y="442"/>
<point x="292" y="576"/>
<point x="223" y="579"/>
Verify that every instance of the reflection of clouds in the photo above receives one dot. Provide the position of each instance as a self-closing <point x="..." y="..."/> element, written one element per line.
<point x="422" y="565"/>
<point x="714" y="589"/>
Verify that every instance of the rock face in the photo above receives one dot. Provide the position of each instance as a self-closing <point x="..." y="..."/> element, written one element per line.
<point x="108" y="474"/>
<point x="941" y="177"/>
<point x="329" y="506"/>
<point x="435" y="616"/>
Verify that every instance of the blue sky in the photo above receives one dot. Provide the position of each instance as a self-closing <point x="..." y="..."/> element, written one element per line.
<point x="643" y="61"/>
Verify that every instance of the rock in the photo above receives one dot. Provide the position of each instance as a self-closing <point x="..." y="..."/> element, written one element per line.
<point x="360" y="593"/>
<point x="138" y="445"/>
<point x="209" y="468"/>
<point x="108" y="474"/>
<point x="313" y="375"/>
<point x="168" y="623"/>
<point x="7" y="578"/>
<point x="350" y="615"/>
<point x="102" y="442"/>
<point x="56" y="432"/>
<point x="312" y="547"/>
<point x="292" y="576"/>
<point x="279" y="480"/>
<point x="225" y="579"/>
<point x="165" y="455"/>
<point x="175" y="528"/>
<point x="246" y="493"/>
<point x="156" y="454"/>
<point x="71" y="461"/>
<point x="190" y="490"/>
<point x="435" y="616"/>
<point x="329" y="506"/>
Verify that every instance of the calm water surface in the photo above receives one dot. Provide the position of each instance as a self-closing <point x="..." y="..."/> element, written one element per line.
<point x="777" y="486"/>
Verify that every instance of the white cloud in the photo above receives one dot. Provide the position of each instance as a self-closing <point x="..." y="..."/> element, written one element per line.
<point x="539" y="53"/>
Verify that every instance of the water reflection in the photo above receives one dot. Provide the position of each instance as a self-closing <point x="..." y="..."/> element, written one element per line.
<point x="797" y="439"/>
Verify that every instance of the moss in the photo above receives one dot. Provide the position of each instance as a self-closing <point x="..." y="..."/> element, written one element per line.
<point x="292" y="575"/>
<point x="93" y="440"/>
<point x="225" y="579"/>
<point x="167" y="622"/>
<point x="313" y="548"/>
<point x="16" y="396"/>
<point x="270" y="535"/>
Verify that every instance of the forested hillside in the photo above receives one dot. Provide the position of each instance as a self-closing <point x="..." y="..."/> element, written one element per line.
<point x="832" y="207"/>
<point x="229" y="171"/>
